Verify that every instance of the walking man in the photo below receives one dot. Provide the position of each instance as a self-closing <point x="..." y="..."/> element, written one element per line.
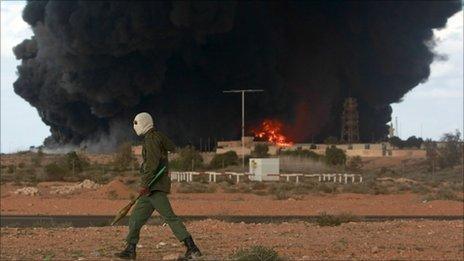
<point x="155" y="157"/>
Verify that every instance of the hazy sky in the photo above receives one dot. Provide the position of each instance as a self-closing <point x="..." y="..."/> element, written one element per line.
<point x="428" y="110"/>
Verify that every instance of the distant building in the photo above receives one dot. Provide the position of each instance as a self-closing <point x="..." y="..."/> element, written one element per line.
<point x="382" y="149"/>
<point x="249" y="145"/>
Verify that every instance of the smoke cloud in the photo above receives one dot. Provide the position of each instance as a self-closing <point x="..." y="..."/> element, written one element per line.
<point x="92" y="66"/>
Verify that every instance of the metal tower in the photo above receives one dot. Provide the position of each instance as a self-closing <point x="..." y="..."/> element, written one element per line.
<point x="350" y="121"/>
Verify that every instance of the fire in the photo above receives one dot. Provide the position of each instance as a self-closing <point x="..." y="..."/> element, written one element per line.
<point x="271" y="130"/>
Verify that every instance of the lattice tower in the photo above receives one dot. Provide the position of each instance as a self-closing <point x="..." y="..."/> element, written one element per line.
<point x="350" y="121"/>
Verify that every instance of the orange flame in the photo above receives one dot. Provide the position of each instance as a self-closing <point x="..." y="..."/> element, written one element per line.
<point x="271" y="130"/>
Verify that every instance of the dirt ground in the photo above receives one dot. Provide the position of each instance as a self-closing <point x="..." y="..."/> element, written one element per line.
<point x="405" y="240"/>
<point x="109" y="198"/>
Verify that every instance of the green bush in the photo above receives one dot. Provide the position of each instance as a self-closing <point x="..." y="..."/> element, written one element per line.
<point x="102" y="178"/>
<point x="301" y="153"/>
<point x="446" y="156"/>
<point x="420" y="189"/>
<point x="282" y="194"/>
<point x="446" y="194"/>
<point x="238" y="188"/>
<point x="75" y="162"/>
<point x="358" y="188"/>
<point x="450" y="155"/>
<point x="286" y="186"/>
<point x="38" y="158"/>
<point x="188" y="159"/>
<point x="244" y="188"/>
<point x="355" y="164"/>
<point x="281" y="191"/>
<point x="304" y="188"/>
<point x="223" y="160"/>
<point x="378" y="189"/>
<point x="327" y="187"/>
<point x="256" y="253"/>
<point x="458" y="187"/>
<point x="335" y="156"/>
<point x="256" y="185"/>
<point x="229" y="188"/>
<point x="55" y="172"/>
<point x="443" y="194"/>
<point x="411" y="142"/>
<point x="261" y="151"/>
<point x="404" y="187"/>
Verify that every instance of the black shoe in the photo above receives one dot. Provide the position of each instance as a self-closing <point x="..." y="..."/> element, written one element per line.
<point x="128" y="253"/>
<point x="192" y="250"/>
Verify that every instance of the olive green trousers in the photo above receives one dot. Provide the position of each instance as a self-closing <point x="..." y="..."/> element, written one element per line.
<point x="142" y="212"/>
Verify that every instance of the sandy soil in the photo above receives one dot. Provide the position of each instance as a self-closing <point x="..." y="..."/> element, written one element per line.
<point x="108" y="199"/>
<point x="406" y="240"/>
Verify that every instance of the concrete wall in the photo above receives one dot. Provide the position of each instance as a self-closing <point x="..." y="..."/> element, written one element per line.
<point x="410" y="153"/>
<point x="237" y="150"/>
<point x="361" y="152"/>
<point x="354" y="146"/>
<point x="225" y="144"/>
<point x="236" y="145"/>
<point x="364" y="153"/>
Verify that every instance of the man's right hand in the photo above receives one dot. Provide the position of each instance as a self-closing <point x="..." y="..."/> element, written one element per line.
<point x="144" y="191"/>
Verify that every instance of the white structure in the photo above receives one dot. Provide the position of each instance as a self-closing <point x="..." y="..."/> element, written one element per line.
<point x="264" y="169"/>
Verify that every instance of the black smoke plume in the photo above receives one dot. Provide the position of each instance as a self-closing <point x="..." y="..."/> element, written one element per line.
<point x="91" y="66"/>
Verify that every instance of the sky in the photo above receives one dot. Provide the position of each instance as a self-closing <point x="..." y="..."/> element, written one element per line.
<point x="428" y="111"/>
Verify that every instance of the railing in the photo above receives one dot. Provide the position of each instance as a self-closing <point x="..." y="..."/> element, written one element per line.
<point x="339" y="177"/>
<point x="212" y="176"/>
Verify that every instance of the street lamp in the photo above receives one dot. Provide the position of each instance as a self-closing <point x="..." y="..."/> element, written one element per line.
<point x="243" y="118"/>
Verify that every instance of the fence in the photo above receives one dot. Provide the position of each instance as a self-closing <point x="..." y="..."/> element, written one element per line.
<point x="188" y="176"/>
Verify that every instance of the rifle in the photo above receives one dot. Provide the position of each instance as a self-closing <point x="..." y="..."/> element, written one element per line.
<point x="123" y="212"/>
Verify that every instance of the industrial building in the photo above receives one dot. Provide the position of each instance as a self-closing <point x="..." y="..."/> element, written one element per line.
<point x="382" y="149"/>
<point x="365" y="150"/>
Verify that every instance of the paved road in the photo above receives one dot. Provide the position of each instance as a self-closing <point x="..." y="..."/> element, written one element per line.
<point x="98" y="221"/>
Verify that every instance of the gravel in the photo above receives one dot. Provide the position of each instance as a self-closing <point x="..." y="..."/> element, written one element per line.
<point x="419" y="240"/>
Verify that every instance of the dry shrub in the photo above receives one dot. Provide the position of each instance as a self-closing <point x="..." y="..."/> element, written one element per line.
<point x="223" y="160"/>
<point x="335" y="220"/>
<point x="379" y="189"/>
<point x="420" y="189"/>
<point x="196" y="187"/>
<point x="443" y="194"/>
<point x="358" y="188"/>
<point x="327" y="187"/>
<point x="56" y="172"/>
<point x="124" y="158"/>
<point x="282" y="194"/>
<point x="256" y="185"/>
<point x="256" y="253"/>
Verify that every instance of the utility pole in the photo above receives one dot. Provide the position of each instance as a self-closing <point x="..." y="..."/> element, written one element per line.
<point x="243" y="118"/>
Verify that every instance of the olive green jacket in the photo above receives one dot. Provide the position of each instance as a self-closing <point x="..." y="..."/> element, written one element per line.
<point x="155" y="155"/>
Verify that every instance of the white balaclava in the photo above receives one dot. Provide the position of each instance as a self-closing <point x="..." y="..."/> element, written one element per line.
<point x="143" y="122"/>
